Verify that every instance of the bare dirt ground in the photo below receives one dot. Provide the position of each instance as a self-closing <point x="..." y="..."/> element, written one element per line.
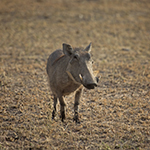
<point x="113" y="116"/>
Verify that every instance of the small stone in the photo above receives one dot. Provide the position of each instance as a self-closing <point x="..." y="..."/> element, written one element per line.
<point x="148" y="75"/>
<point x="125" y="49"/>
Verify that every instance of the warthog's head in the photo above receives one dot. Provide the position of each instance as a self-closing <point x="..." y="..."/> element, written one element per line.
<point x="80" y="66"/>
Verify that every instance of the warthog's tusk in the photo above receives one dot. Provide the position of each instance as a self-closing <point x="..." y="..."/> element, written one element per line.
<point x="80" y="76"/>
<point x="70" y="75"/>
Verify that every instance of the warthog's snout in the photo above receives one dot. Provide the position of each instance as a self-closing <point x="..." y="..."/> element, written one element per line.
<point x="88" y="85"/>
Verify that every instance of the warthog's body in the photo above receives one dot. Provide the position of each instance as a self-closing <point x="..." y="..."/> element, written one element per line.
<point x="67" y="71"/>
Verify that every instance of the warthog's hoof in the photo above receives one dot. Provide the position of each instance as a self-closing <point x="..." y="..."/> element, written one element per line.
<point x="53" y="114"/>
<point x="76" y="118"/>
<point x="62" y="116"/>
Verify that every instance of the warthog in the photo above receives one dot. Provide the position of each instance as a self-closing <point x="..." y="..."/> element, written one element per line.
<point x="68" y="71"/>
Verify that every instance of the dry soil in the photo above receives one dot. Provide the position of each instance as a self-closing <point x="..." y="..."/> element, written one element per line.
<point x="115" y="115"/>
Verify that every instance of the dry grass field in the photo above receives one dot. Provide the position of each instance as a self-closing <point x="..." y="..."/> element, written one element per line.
<point x="115" y="115"/>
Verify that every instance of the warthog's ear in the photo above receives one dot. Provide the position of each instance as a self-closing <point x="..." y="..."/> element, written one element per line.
<point x="88" y="48"/>
<point x="67" y="49"/>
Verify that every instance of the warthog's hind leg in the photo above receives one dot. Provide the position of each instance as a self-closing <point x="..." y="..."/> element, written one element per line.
<point x="76" y="103"/>
<point x="54" y="111"/>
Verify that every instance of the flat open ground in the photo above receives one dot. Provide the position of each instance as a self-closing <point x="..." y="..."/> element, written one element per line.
<point x="116" y="115"/>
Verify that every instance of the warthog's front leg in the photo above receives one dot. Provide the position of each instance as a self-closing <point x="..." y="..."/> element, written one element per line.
<point x="62" y="108"/>
<point x="54" y="111"/>
<point x="76" y="103"/>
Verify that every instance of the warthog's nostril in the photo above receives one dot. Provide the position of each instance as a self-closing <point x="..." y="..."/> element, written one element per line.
<point x="90" y="86"/>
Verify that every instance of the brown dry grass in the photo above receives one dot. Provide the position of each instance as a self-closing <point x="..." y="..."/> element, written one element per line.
<point x="113" y="116"/>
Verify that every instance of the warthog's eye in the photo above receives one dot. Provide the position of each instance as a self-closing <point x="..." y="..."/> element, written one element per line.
<point x="76" y="56"/>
